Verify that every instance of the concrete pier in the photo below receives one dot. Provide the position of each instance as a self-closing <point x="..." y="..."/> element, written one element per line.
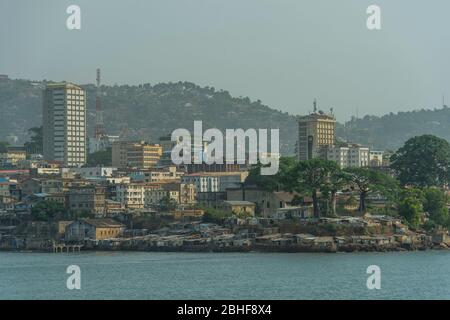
<point x="66" y="248"/>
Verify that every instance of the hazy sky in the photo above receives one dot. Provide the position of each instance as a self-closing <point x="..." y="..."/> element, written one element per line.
<point x="283" y="52"/>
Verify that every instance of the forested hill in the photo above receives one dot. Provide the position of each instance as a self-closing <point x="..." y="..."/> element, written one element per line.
<point x="392" y="130"/>
<point x="149" y="111"/>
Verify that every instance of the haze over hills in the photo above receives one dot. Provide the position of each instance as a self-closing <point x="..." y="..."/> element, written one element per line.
<point x="149" y="111"/>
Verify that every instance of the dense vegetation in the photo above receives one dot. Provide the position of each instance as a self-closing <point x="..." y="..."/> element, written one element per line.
<point x="415" y="190"/>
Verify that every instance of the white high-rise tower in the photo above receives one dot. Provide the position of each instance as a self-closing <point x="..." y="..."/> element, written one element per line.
<point x="64" y="124"/>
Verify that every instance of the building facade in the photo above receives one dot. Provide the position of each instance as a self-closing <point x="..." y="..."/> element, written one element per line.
<point x="12" y="156"/>
<point x="202" y="182"/>
<point x="136" y="154"/>
<point x="64" y="124"/>
<point x="376" y="158"/>
<point x="87" y="199"/>
<point x="94" y="229"/>
<point x="131" y="195"/>
<point x="315" y="131"/>
<point x="348" y="156"/>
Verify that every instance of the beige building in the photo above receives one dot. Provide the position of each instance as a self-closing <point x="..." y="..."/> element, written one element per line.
<point x="188" y="194"/>
<point x="95" y="229"/>
<point x="164" y="174"/>
<point x="136" y="154"/>
<point x="315" y="131"/>
<point x="64" y="124"/>
<point x="12" y="156"/>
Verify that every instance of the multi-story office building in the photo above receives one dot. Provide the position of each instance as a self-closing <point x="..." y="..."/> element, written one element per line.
<point x="136" y="154"/>
<point x="64" y="124"/>
<point x="348" y="156"/>
<point x="315" y="131"/>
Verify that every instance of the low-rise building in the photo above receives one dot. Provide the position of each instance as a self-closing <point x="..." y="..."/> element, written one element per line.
<point x="267" y="202"/>
<point x="94" y="229"/>
<point x="12" y="156"/>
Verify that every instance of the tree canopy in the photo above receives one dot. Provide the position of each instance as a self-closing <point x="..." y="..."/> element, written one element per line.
<point x="423" y="161"/>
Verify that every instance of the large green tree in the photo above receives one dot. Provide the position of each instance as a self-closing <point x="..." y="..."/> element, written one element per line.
<point x="366" y="180"/>
<point x="167" y="204"/>
<point x="271" y="182"/>
<point x="435" y="203"/>
<point x="338" y="180"/>
<point x="410" y="206"/>
<point x="423" y="161"/>
<point x="100" y="158"/>
<point x="49" y="211"/>
<point x="310" y="176"/>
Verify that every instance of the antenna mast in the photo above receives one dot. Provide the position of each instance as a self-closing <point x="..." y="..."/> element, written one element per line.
<point x="99" y="127"/>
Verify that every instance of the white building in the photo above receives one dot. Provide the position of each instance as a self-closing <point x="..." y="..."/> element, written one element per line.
<point x="131" y="195"/>
<point x="64" y="124"/>
<point x="376" y="158"/>
<point x="202" y="182"/>
<point x="348" y="156"/>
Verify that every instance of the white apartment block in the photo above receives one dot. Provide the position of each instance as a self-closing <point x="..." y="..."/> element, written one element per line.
<point x="349" y="156"/>
<point x="202" y="182"/>
<point x="131" y="195"/>
<point x="64" y="124"/>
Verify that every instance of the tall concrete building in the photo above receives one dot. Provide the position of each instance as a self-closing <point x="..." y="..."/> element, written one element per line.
<point x="64" y="124"/>
<point x="316" y="132"/>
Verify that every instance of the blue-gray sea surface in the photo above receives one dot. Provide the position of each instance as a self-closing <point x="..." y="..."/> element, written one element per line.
<point x="156" y="275"/>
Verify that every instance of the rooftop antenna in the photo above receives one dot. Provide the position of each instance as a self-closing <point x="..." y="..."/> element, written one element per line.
<point x="315" y="105"/>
